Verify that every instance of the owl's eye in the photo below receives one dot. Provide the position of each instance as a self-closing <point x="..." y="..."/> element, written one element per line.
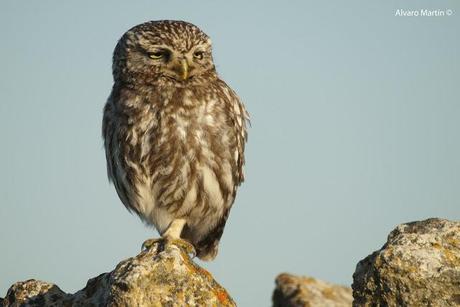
<point x="157" y="55"/>
<point x="198" y="55"/>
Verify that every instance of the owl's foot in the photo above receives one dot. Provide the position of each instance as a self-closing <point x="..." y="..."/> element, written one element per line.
<point x="184" y="245"/>
<point x="172" y="236"/>
<point x="148" y="244"/>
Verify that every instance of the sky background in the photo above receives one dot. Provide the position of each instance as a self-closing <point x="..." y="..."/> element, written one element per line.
<point x="355" y="129"/>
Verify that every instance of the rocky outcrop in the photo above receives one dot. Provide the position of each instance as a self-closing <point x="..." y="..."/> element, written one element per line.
<point x="418" y="266"/>
<point x="293" y="291"/>
<point x="164" y="275"/>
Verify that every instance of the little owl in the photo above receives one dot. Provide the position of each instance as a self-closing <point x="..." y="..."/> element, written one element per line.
<point x="174" y="134"/>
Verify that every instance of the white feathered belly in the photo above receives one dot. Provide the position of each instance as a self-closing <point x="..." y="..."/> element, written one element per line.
<point x="200" y="217"/>
<point x="192" y="132"/>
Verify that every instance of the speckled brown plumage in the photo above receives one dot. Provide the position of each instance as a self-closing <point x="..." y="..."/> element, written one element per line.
<point x="174" y="132"/>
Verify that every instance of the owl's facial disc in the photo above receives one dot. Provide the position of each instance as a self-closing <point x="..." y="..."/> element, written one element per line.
<point x="180" y="65"/>
<point x="164" y="52"/>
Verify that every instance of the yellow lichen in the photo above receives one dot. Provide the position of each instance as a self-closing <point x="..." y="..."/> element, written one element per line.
<point x="328" y="293"/>
<point x="451" y="257"/>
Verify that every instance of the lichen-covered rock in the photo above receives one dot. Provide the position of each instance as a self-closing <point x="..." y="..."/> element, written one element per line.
<point x="34" y="293"/>
<point x="418" y="266"/>
<point x="164" y="275"/>
<point x="293" y="291"/>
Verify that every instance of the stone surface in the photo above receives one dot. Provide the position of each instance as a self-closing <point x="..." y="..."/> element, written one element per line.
<point x="418" y="266"/>
<point x="307" y="291"/>
<point x="160" y="276"/>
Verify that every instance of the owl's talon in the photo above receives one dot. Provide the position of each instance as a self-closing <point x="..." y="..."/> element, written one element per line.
<point x="148" y="244"/>
<point x="184" y="246"/>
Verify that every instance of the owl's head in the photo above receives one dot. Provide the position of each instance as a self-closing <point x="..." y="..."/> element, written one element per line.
<point x="162" y="51"/>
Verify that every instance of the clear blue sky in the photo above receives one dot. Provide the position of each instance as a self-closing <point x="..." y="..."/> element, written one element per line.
<point x="355" y="129"/>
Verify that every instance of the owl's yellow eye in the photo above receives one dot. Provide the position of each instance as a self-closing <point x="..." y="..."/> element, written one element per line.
<point x="198" y="55"/>
<point x="156" y="55"/>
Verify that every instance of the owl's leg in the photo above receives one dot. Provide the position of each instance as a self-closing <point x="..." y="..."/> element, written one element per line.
<point x="172" y="236"/>
<point x="175" y="229"/>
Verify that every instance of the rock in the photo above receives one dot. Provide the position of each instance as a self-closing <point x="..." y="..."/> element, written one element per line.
<point x="307" y="291"/>
<point x="418" y="266"/>
<point x="34" y="293"/>
<point x="164" y="275"/>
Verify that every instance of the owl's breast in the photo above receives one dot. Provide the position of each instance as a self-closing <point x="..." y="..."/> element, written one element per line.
<point x="192" y="123"/>
<point x="176" y="155"/>
<point x="192" y="162"/>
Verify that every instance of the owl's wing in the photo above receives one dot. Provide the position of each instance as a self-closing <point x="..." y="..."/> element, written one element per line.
<point x="115" y="173"/>
<point x="240" y="119"/>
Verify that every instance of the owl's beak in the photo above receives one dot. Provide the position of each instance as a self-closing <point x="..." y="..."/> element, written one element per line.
<point x="184" y="69"/>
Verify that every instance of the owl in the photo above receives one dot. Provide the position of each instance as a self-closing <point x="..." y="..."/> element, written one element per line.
<point x="174" y="134"/>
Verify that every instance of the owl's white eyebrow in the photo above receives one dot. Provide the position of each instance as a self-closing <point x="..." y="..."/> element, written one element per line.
<point x="158" y="47"/>
<point x="199" y="48"/>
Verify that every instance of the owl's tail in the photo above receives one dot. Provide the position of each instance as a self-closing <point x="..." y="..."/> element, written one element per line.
<point x="207" y="253"/>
